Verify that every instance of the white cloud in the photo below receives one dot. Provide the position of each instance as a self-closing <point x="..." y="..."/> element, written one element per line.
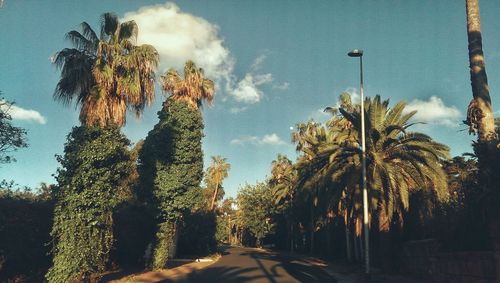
<point x="282" y="86"/>
<point x="18" y="113"/>
<point x="434" y="111"/>
<point x="235" y="110"/>
<point x="257" y="63"/>
<point x="247" y="90"/>
<point x="355" y="96"/>
<point x="320" y="115"/>
<point x="180" y="36"/>
<point x="272" y="139"/>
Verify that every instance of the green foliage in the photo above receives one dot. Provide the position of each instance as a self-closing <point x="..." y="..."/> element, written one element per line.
<point x="11" y="138"/>
<point x="133" y="230"/>
<point x="165" y="237"/>
<point x="256" y="210"/>
<point x="171" y="168"/>
<point x="25" y="218"/>
<point x="197" y="234"/>
<point x="95" y="164"/>
<point x="226" y="218"/>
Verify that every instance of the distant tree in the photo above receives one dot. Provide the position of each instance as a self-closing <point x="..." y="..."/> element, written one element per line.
<point x="172" y="158"/>
<point x="256" y="210"/>
<point x="283" y="183"/>
<point x="11" y="138"/>
<point x="216" y="173"/>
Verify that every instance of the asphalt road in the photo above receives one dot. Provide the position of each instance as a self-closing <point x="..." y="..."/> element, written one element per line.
<point x="253" y="265"/>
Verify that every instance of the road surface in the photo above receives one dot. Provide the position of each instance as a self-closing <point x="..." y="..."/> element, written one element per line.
<point x="254" y="265"/>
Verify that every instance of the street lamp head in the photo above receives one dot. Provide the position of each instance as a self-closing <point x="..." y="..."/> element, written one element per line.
<point x="355" y="53"/>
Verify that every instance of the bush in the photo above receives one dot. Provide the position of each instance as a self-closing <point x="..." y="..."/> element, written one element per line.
<point x="25" y="222"/>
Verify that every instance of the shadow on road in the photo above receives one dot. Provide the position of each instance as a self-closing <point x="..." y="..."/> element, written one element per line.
<point x="219" y="274"/>
<point x="298" y="268"/>
<point x="258" y="266"/>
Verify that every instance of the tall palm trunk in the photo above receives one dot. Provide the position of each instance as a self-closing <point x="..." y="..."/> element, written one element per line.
<point x="480" y="118"/>
<point x="215" y="196"/>
<point x="348" y="238"/>
<point x="479" y="114"/>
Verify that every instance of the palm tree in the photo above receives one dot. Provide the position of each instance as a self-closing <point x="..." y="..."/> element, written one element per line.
<point x="216" y="172"/>
<point x="193" y="89"/>
<point x="283" y="183"/>
<point x="172" y="157"/>
<point x="398" y="161"/>
<point x="106" y="74"/>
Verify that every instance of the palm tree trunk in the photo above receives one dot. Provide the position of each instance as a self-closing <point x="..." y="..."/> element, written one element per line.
<point x="348" y="239"/>
<point x="356" y="247"/>
<point x="215" y="196"/>
<point x="481" y="119"/>
<point x="311" y="237"/>
<point x="479" y="114"/>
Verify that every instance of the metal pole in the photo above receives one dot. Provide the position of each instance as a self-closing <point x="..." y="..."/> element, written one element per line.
<point x="365" y="190"/>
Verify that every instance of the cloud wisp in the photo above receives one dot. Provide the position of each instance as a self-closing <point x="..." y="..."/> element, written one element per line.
<point x="434" y="111"/>
<point x="18" y="113"/>
<point x="271" y="139"/>
<point x="179" y="36"/>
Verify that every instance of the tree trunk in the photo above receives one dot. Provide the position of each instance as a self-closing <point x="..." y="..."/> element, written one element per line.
<point x="311" y="236"/>
<point x="479" y="115"/>
<point x="173" y="247"/>
<point x="356" y="248"/>
<point x="215" y="196"/>
<point x="348" y="240"/>
<point x="481" y="120"/>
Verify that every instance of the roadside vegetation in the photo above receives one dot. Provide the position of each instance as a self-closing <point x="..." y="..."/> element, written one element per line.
<point x="117" y="206"/>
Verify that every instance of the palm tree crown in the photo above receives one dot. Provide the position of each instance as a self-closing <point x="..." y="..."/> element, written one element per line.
<point x="217" y="171"/>
<point x="398" y="161"/>
<point x="192" y="89"/>
<point x="106" y="74"/>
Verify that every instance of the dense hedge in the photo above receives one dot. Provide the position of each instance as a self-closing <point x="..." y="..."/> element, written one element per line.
<point x="24" y="233"/>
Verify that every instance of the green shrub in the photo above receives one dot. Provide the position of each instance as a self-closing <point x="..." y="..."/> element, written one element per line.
<point x="25" y="222"/>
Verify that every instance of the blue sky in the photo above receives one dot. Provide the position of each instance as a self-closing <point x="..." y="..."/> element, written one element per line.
<point x="275" y="63"/>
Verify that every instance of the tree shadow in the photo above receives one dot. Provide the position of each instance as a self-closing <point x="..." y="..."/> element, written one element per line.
<point x="219" y="274"/>
<point x="296" y="267"/>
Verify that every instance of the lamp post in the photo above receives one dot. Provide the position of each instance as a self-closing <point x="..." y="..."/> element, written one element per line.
<point x="359" y="53"/>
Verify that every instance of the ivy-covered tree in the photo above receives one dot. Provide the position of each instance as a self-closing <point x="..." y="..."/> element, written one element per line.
<point x="105" y="75"/>
<point x="172" y="158"/>
<point x="94" y="169"/>
<point x="171" y="171"/>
